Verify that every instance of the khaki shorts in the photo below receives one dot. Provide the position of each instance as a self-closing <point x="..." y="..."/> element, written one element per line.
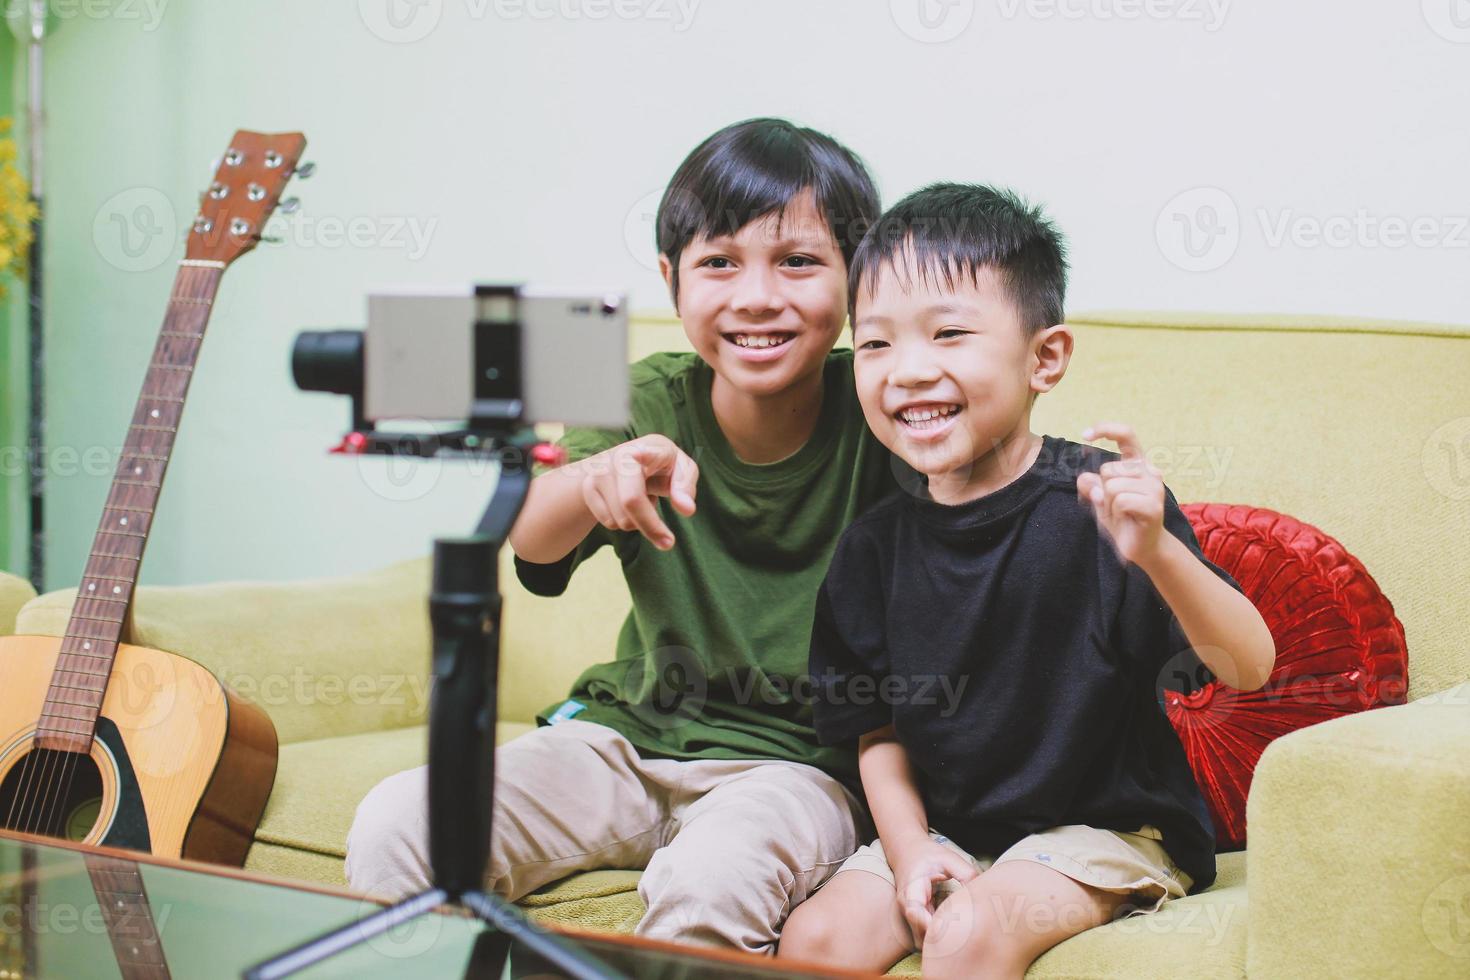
<point x="1134" y="863"/>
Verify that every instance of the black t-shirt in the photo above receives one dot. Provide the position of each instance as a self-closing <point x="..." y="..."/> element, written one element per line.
<point x="1020" y="660"/>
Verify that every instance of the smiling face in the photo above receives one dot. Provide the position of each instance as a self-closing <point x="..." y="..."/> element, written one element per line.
<point x="947" y="374"/>
<point x="764" y="306"/>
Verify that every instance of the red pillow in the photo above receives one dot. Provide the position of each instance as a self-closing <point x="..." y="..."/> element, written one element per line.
<point x="1339" y="649"/>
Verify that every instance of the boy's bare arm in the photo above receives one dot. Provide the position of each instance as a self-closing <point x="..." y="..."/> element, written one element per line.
<point x="918" y="861"/>
<point x="892" y="791"/>
<point x="615" y="488"/>
<point x="554" y="519"/>
<point x="1224" y="627"/>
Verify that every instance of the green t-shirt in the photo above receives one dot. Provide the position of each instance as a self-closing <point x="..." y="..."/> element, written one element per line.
<point x="710" y="659"/>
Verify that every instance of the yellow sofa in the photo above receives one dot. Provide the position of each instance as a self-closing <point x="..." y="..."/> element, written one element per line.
<point x="14" y="593"/>
<point x="1359" y="857"/>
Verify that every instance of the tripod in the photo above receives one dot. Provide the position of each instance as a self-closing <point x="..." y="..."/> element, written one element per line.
<point x="464" y="612"/>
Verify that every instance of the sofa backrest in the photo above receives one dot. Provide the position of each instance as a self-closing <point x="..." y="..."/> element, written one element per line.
<point x="1359" y="427"/>
<point x="14" y="593"/>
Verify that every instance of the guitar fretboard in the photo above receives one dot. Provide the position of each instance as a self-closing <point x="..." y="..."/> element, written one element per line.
<point x="89" y="648"/>
<point x="128" y="917"/>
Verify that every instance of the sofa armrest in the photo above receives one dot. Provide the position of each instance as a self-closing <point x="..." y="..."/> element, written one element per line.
<point x="14" y="593"/>
<point x="1359" y="856"/>
<point x="324" y="657"/>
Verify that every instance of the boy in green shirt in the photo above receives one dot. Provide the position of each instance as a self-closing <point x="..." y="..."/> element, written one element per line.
<point x="692" y="753"/>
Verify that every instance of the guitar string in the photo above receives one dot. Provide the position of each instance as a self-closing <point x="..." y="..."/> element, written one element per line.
<point x="50" y="805"/>
<point x="31" y="797"/>
<point x="189" y="278"/>
<point x="66" y="793"/>
<point x="46" y="801"/>
<point x="71" y="765"/>
<point x="22" y="782"/>
<point x="34" y="796"/>
<point x="64" y="796"/>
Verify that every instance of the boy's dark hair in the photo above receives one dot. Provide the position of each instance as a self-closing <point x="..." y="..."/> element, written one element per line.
<point x="755" y="168"/>
<point x="959" y="229"/>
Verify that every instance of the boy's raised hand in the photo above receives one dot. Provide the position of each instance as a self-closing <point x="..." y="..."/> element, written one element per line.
<point x="1127" y="495"/>
<point x="621" y="483"/>
<point x="917" y="870"/>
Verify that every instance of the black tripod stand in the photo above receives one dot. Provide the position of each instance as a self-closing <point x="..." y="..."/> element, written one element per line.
<point x="464" y="608"/>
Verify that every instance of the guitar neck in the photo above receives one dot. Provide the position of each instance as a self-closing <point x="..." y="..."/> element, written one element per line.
<point x="126" y="912"/>
<point x="104" y="598"/>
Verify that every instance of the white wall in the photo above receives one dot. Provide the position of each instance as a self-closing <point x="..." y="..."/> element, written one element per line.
<point x="529" y="139"/>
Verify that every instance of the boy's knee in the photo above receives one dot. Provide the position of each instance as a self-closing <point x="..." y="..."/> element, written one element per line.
<point x="387" y="843"/>
<point x="736" y="899"/>
<point x="811" y="933"/>
<point x="968" y="930"/>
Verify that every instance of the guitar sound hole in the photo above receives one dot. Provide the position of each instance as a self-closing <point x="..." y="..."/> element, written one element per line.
<point x="52" y="793"/>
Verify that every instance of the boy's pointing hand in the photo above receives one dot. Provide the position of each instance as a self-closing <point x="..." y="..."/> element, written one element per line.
<point x="620" y="490"/>
<point x="1126" y="495"/>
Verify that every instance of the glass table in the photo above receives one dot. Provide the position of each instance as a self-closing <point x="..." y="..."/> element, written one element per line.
<point x="69" y="910"/>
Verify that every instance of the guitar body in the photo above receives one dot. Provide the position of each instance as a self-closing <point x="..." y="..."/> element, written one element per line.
<point x="179" y="766"/>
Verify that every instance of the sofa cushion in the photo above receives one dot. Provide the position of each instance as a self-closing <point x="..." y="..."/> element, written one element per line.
<point x="1339" y="649"/>
<point x="1201" y="935"/>
<point x="320" y="783"/>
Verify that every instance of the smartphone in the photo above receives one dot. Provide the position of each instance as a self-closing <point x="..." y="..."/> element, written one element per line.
<point x="419" y="355"/>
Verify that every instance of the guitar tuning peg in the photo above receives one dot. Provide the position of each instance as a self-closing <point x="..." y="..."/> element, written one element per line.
<point x="305" y="170"/>
<point x="291" y="205"/>
<point x="272" y="239"/>
<point x="214" y="165"/>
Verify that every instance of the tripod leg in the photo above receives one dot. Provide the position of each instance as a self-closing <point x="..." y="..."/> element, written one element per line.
<point x="488" y="958"/>
<point x="556" y="951"/>
<point x="324" y="947"/>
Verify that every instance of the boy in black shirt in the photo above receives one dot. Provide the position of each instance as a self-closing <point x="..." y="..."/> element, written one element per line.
<point x="994" y="635"/>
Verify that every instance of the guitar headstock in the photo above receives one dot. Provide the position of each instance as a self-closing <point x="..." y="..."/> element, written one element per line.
<point x="246" y="188"/>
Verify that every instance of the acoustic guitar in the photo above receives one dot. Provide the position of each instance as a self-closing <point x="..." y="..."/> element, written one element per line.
<point x="105" y="742"/>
